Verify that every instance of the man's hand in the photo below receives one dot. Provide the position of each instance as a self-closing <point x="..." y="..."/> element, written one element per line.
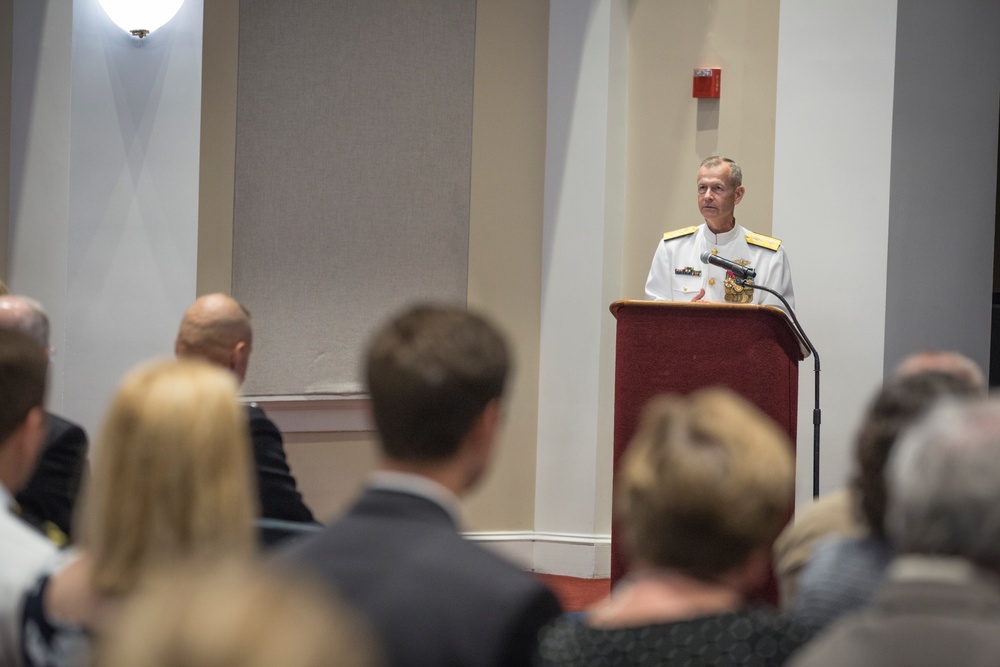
<point x="699" y="296"/>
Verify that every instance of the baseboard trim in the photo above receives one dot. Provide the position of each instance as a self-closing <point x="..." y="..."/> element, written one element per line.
<point x="567" y="554"/>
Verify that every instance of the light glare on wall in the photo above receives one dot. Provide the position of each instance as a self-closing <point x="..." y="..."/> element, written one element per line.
<point x="140" y="17"/>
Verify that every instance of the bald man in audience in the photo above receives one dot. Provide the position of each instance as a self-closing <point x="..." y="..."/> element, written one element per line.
<point x="217" y="328"/>
<point x="837" y="514"/>
<point x="48" y="499"/>
<point x="23" y="552"/>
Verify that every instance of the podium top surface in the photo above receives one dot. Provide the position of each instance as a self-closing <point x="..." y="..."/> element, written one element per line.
<point x="681" y="308"/>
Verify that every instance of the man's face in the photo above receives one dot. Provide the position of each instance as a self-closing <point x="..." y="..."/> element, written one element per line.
<point x="717" y="197"/>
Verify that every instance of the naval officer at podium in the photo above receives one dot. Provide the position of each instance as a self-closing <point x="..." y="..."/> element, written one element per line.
<point x="678" y="274"/>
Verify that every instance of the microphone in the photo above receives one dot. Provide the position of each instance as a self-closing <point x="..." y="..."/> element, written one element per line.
<point x="741" y="272"/>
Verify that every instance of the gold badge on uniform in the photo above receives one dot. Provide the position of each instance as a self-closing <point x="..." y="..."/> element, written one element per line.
<point x="736" y="293"/>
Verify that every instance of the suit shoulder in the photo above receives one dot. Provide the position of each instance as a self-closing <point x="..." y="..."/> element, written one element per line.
<point x="753" y="238"/>
<point x="680" y="233"/>
<point x="60" y="427"/>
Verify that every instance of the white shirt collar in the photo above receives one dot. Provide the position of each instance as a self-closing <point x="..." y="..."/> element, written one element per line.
<point x="417" y="485"/>
<point x="918" y="567"/>
<point x="5" y="498"/>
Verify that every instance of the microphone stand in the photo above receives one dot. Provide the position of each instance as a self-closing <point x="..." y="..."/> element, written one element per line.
<point x="817" y="414"/>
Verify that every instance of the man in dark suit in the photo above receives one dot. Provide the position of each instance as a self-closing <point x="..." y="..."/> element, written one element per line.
<point x="48" y="499"/>
<point x="217" y="328"/>
<point x="435" y="376"/>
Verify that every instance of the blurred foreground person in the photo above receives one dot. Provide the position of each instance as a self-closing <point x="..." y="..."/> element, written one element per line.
<point x="24" y="553"/>
<point x="704" y="488"/>
<point x="172" y="481"/>
<point x="940" y="601"/>
<point x="845" y="572"/>
<point x="48" y="500"/>
<point x="436" y="376"/>
<point x="838" y="514"/>
<point x="234" y="615"/>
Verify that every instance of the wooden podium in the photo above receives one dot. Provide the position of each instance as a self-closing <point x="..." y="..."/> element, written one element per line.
<point x="677" y="347"/>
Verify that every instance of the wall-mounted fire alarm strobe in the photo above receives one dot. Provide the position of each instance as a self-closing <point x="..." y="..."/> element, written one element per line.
<point x="707" y="82"/>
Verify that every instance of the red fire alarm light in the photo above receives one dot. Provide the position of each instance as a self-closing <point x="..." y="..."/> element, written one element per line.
<point x="707" y="82"/>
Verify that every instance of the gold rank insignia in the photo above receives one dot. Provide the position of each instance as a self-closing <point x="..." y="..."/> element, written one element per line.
<point x="756" y="239"/>
<point x="678" y="233"/>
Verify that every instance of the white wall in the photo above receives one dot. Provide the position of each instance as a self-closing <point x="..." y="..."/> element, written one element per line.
<point x="581" y="275"/>
<point x="832" y="163"/>
<point x="39" y="157"/>
<point x="113" y="255"/>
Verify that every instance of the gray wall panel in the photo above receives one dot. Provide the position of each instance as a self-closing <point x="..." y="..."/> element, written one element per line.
<point x="353" y="153"/>
<point x="944" y="176"/>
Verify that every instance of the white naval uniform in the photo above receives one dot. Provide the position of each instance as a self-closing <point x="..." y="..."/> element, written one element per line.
<point x="668" y="281"/>
<point x="24" y="555"/>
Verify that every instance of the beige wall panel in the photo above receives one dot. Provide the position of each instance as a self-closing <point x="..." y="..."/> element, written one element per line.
<point x="330" y="468"/>
<point x="218" y="146"/>
<point x="669" y="132"/>
<point x="505" y="234"/>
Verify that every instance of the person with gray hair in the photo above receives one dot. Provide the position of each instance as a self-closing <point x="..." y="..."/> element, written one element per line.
<point x="49" y="498"/>
<point x="940" y="602"/>
<point x="839" y="514"/>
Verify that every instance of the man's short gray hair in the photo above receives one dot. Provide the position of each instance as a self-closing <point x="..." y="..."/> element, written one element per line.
<point x="735" y="173"/>
<point x="944" y="484"/>
<point x="28" y="316"/>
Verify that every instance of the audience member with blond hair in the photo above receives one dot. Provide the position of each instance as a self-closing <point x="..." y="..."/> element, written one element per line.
<point x="234" y="614"/>
<point x="172" y="481"/>
<point x="704" y="488"/>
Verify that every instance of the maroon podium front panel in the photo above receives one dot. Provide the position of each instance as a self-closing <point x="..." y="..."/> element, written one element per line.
<point x="665" y="347"/>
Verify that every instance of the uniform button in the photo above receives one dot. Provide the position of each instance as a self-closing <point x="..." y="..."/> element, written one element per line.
<point x="715" y="251"/>
<point x="711" y="281"/>
<point x="685" y="289"/>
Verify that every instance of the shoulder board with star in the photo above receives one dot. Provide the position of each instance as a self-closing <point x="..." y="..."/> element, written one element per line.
<point x="754" y="238"/>
<point x="678" y="233"/>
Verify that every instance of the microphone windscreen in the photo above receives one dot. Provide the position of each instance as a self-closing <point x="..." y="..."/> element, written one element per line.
<point x="705" y="255"/>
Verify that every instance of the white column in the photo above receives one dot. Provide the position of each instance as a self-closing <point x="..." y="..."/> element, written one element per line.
<point x="108" y="239"/>
<point x="39" y="166"/>
<point x="581" y="276"/>
<point x="832" y="158"/>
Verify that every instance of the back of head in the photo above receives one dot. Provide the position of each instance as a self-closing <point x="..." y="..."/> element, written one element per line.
<point x="431" y="372"/>
<point x="172" y="477"/>
<point x="22" y="379"/>
<point x="944" y="482"/>
<point x="234" y="615"/>
<point x="959" y="366"/>
<point x="212" y="328"/>
<point x="707" y="480"/>
<point x="900" y="403"/>
<point x="21" y="313"/>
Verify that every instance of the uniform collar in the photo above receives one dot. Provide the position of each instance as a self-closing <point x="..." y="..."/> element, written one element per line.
<point x="723" y="238"/>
